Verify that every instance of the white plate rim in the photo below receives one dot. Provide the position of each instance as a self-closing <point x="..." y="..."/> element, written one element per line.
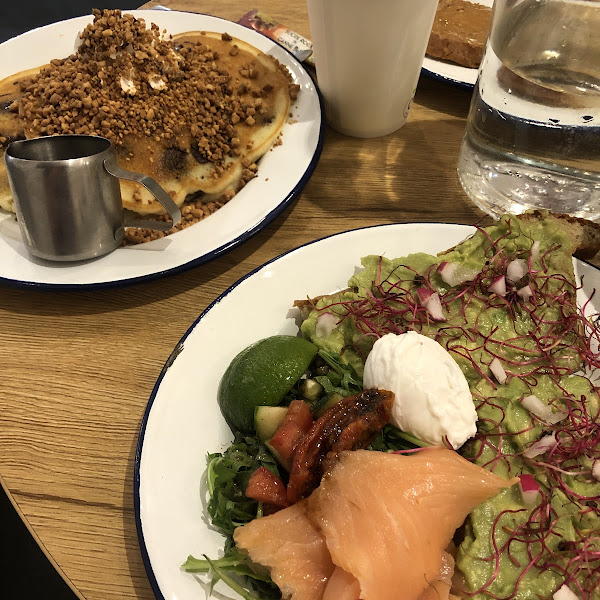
<point x="463" y="78"/>
<point x="179" y="348"/>
<point x="252" y="228"/>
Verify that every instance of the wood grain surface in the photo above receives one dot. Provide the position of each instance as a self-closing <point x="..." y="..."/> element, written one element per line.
<point x="78" y="367"/>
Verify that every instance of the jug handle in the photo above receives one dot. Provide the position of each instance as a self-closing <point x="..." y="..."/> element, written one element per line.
<point x="110" y="164"/>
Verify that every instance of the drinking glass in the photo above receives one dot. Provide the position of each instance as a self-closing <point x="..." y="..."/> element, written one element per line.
<point x="368" y="57"/>
<point x="532" y="138"/>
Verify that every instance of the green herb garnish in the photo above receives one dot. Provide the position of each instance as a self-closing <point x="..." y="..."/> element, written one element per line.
<point x="227" y="478"/>
<point x="234" y="565"/>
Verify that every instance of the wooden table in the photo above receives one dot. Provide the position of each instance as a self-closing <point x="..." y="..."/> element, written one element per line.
<point x="78" y="367"/>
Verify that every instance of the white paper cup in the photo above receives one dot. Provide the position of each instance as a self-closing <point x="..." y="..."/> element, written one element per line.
<point x="368" y="57"/>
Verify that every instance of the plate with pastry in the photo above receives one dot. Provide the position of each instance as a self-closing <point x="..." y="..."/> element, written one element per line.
<point x="225" y="120"/>
<point x="457" y="41"/>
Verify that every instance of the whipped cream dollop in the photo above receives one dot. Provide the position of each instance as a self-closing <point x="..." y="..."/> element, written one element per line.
<point x="432" y="397"/>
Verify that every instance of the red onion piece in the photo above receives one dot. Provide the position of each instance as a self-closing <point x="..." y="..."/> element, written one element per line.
<point x="455" y="274"/>
<point x="530" y="489"/>
<point x="564" y="592"/>
<point x="498" y="371"/>
<point x="433" y="305"/>
<point x="498" y="286"/>
<point x="525" y="293"/>
<point x="536" y="407"/>
<point x="541" y="446"/>
<point x="516" y="270"/>
<point x="326" y="323"/>
<point x="596" y="470"/>
<point x="535" y="250"/>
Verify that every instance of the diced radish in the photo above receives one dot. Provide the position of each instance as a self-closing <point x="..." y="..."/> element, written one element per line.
<point x="433" y="305"/>
<point x="516" y="270"/>
<point x="596" y="470"/>
<point x="266" y="487"/>
<point x="424" y="295"/>
<point x="564" y="592"/>
<point x="525" y="293"/>
<point x="447" y="271"/>
<point x="498" y="370"/>
<point x="541" y="446"/>
<point x="535" y="250"/>
<point x="536" y="407"/>
<point x="530" y="489"/>
<point x="498" y="286"/>
<point x="326" y="323"/>
<point x="431" y="301"/>
<point x="455" y="274"/>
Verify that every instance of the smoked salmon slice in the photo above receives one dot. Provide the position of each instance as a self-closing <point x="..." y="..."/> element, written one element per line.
<point x="387" y="518"/>
<point x="341" y="586"/>
<point x="291" y="547"/>
<point x="375" y="529"/>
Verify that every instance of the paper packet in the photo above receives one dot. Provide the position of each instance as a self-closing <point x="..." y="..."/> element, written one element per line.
<point x="299" y="46"/>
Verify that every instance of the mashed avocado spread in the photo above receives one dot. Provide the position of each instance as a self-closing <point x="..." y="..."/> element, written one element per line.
<point x="511" y="301"/>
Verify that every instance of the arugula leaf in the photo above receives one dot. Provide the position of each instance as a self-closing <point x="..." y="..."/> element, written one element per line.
<point x="341" y="380"/>
<point x="229" y="507"/>
<point x="234" y="563"/>
<point x="227" y="477"/>
<point x="350" y="380"/>
<point x="390" y="439"/>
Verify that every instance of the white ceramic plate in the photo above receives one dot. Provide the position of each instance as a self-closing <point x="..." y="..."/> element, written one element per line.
<point x="282" y="172"/>
<point x="448" y="72"/>
<point x="183" y="423"/>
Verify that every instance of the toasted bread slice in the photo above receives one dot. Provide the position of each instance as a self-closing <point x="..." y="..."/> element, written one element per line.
<point x="584" y="234"/>
<point x="305" y="306"/>
<point x="459" y="32"/>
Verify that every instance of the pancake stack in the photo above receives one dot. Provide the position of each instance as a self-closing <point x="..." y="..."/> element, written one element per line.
<point x="194" y="112"/>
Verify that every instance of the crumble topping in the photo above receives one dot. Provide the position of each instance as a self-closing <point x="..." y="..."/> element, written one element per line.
<point x="129" y="80"/>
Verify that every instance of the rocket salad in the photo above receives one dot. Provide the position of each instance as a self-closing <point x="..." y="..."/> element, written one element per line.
<point x="228" y="474"/>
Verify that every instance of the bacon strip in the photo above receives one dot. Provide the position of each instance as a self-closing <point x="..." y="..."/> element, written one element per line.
<point x="349" y="425"/>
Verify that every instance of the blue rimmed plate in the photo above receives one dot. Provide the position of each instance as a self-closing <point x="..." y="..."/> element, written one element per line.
<point x="282" y="173"/>
<point x="447" y="72"/>
<point x="182" y="421"/>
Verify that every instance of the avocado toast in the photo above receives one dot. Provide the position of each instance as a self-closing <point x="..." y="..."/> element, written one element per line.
<point x="503" y="303"/>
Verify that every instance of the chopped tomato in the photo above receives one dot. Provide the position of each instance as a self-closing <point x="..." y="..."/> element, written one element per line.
<point x="295" y="425"/>
<point x="299" y="412"/>
<point x="284" y="442"/>
<point x="266" y="487"/>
